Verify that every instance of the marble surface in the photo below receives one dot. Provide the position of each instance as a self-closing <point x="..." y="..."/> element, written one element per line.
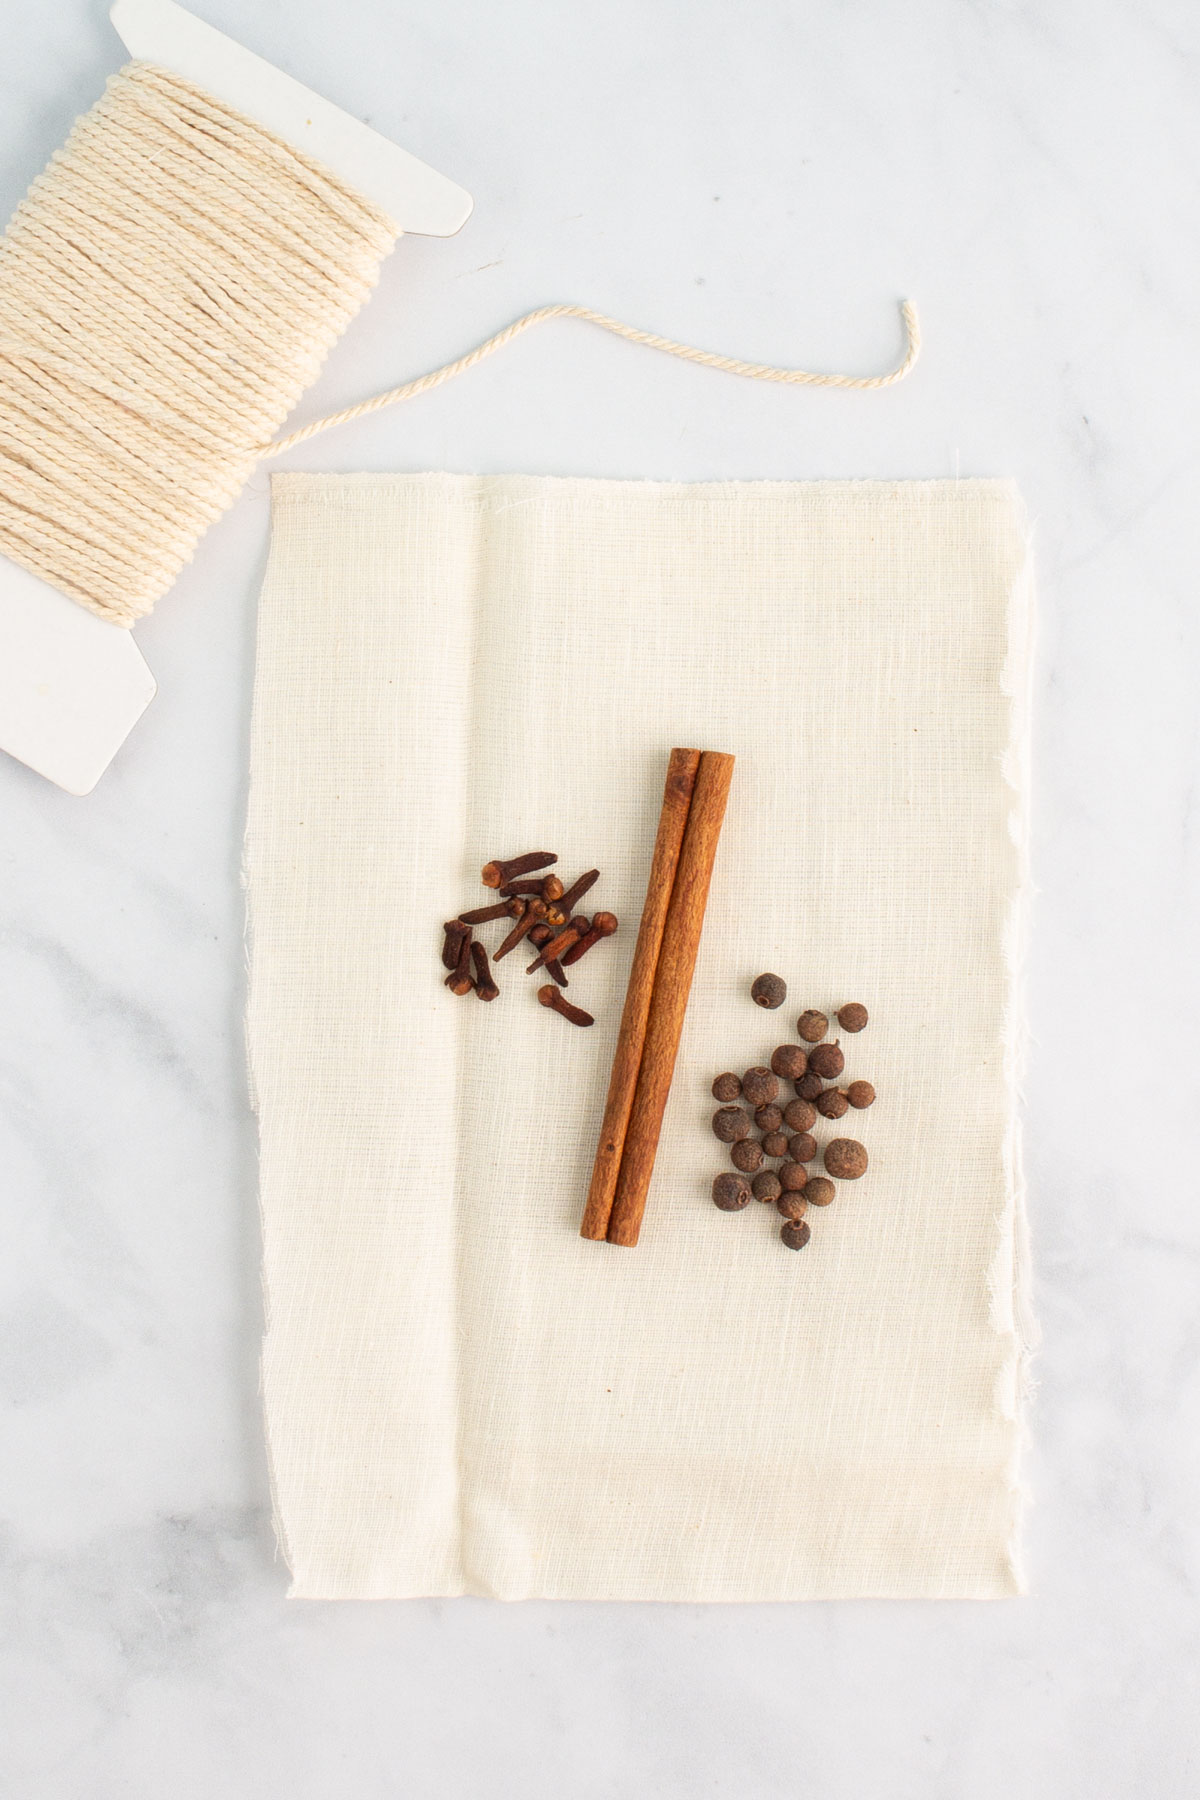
<point x="766" y="179"/>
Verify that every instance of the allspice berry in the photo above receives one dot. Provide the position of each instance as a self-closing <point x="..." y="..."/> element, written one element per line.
<point x="860" y="1094"/>
<point x="769" y="991"/>
<point x="730" y="1124"/>
<point x="790" y="1061"/>
<point x="819" y="1191"/>
<point x="766" y="1186"/>
<point x="795" y="1233"/>
<point x="812" y="1026"/>
<point x="792" y="1177"/>
<point x="827" y="1061"/>
<point x="809" y="1086"/>
<point x="852" y="1017"/>
<point x="731" y="1192"/>
<point x="775" y="1143"/>
<point x="760" y="1087"/>
<point x="768" y="1118"/>
<point x="726" y="1088"/>
<point x="803" y="1147"/>
<point x="746" y="1155"/>
<point x="799" y="1115"/>
<point x="792" y="1206"/>
<point x="833" y="1104"/>
<point x="846" y="1159"/>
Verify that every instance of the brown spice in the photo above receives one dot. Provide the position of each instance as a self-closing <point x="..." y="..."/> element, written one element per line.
<point x="503" y="909"/>
<point x="809" y="1086"/>
<point x="846" y="1158"/>
<point x="819" y="1191"/>
<point x="790" y="1061"/>
<point x="672" y="984"/>
<point x="563" y="941"/>
<point x="803" y="1147"/>
<point x="540" y="935"/>
<point x="534" y="911"/>
<point x="731" y="1192"/>
<point x="860" y="1094"/>
<point x="730" y="1124"/>
<point x="603" y="925"/>
<point x="792" y="1206"/>
<point x="549" y="887"/>
<point x="812" y="1027"/>
<point x="833" y="1104"/>
<point x="769" y="991"/>
<point x="499" y="874"/>
<point x="792" y="1177"/>
<point x="768" y="1118"/>
<point x="853" y="1017"/>
<point x="747" y="1155"/>
<point x="682" y="769"/>
<point x="795" y="1233"/>
<point x="827" y="1061"/>
<point x="775" y="1143"/>
<point x="799" y="1115"/>
<point x="550" y="996"/>
<point x="456" y="930"/>
<point x="766" y="1186"/>
<point x="485" y="985"/>
<point x="459" y="980"/>
<point x="760" y="1087"/>
<point x="727" y="1087"/>
<point x="576" y="891"/>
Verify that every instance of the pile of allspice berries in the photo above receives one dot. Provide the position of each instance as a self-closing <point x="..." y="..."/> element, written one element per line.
<point x="761" y="1123"/>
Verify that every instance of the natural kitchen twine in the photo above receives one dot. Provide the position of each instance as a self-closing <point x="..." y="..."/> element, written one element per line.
<point x="169" y="287"/>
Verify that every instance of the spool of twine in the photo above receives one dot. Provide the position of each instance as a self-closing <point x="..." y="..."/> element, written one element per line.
<point x="169" y="287"/>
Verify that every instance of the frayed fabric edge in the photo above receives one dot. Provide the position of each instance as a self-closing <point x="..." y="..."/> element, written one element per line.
<point x="1010" y="1277"/>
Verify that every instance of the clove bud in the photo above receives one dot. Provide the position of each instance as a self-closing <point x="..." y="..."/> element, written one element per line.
<point x="550" y="996"/>
<point x="564" y="941"/>
<point x="577" y="890"/>
<point x="603" y="925"/>
<point x="500" y="874"/>
<point x="503" y="909"/>
<point x="456" y="930"/>
<point x="534" y="910"/>
<point x="459" y="980"/>
<point x="485" y="986"/>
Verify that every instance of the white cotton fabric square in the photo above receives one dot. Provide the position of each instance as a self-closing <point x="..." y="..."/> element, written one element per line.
<point x="462" y="1395"/>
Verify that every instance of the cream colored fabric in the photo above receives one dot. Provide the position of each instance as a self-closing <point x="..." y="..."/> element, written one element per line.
<point x="461" y="1394"/>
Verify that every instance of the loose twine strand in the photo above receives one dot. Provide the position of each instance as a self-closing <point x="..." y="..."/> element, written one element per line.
<point x="169" y="287"/>
<point x="732" y="365"/>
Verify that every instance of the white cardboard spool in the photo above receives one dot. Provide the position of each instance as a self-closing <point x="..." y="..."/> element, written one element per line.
<point x="72" y="685"/>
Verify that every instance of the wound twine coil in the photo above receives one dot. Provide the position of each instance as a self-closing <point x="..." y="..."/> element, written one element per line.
<point x="169" y="287"/>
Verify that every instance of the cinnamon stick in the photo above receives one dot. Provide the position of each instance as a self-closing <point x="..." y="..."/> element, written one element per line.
<point x="669" y="998"/>
<point x="677" y="800"/>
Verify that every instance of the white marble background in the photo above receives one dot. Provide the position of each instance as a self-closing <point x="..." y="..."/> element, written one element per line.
<point x="766" y="177"/>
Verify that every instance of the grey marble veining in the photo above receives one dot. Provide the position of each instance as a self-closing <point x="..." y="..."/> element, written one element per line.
<point x="767" y="180"/>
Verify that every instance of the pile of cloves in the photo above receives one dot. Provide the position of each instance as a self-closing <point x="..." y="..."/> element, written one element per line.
<point x="538" y="909"/>
<point x="813" y="1068"/>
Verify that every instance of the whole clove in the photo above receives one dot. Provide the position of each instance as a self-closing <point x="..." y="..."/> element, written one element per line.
<point x="459" y="980"/>
<point x="548" y="887"/>
<point x="603" y="925"/>
<point x="503" y="909"/>
<point x="485" y="986"/>
<point x="550" y="996"/>
<point x="577" y="890"/>
<point x="534" y="910"/>
<point x="456" y="930"/>
<point x="565" y="940"/>
<point x="499" y="874"/>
